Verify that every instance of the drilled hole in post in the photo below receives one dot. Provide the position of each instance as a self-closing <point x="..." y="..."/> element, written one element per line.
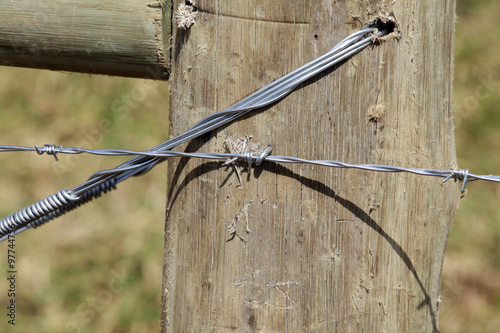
<point x="389" y="26"/>
<point x="388" y="23"/>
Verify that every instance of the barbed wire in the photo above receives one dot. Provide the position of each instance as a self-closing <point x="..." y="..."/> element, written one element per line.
<point x="71" y="203"/>
<point x="462" y="174"/>
<point x="102" y="181"/>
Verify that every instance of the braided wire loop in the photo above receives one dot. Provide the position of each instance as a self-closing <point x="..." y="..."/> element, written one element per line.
<point x="33" y="212"/>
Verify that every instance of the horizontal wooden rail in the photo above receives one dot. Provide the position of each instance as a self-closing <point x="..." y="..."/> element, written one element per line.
<point x="114" y="37"/>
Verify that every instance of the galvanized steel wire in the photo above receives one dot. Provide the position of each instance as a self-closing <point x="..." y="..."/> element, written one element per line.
<point x="461" y="174"/>
<point x="103" y="181"/>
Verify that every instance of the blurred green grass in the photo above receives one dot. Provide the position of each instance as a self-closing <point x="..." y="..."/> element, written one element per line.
<point x="471" y="272"/>
<point x="96" y="269"/>
<point x="109" y="278"/>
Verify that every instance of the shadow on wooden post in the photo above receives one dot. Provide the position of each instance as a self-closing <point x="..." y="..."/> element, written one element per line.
<point x="318" y="248"/>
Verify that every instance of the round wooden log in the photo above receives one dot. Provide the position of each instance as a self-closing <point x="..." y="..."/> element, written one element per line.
<point x="308" y="248"/>
<point x="114" y="37"/>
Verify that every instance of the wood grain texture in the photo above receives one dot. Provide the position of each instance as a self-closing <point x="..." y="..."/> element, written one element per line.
<point x="315" y="249"/>
<point x="114" y="37"/>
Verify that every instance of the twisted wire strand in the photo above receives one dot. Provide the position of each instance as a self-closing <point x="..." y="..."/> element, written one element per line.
<point x="142" y="163"/>
<point x="261" y="98"/>
<point x="461" y="174"/>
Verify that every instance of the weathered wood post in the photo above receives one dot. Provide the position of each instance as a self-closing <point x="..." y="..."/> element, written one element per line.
<point x="305" y="248"/>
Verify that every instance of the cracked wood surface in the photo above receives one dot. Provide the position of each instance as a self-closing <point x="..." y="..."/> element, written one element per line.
<point x="113" y="37"/>
<point x="317" y="249"/>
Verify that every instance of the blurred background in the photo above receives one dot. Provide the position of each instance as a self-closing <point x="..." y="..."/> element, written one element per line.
<point x="98" y="269"/>
<point x="471" y="273"/>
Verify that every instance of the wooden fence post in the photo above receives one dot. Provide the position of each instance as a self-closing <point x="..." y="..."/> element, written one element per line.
<point x="299" y="248"/>
<point x="113" y="37"/>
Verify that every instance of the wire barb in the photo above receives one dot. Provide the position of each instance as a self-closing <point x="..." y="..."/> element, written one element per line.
<point x="49" y="150"/>
<point x="462" y="175"/>
<point x="263" y="155"/>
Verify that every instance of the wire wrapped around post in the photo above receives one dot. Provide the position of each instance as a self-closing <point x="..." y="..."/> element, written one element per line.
<point x="138" y="165"/>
